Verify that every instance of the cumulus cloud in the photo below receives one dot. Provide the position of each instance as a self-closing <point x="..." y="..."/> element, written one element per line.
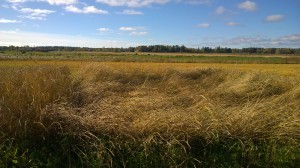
<point x="72" y="8"/>
<point x="132" y="28"/>
<point x="220" y="10"/>
<point x="204" y="25"/>
<point x="274" y="18"/>
<point x="294" y="37"/>
<point x="131" y="12"/>
<point x="250" y="41"/>
<point x="142" y="3"/>
<point x="61" y="2"/>
<point x="283" y="41"/>
<point x="196" y="2"/>
<point x="129" y="3"/>
<point x="132" y="3"/>
<point x="134" y="31"/>
<point x="92" y="9"/>
<point x="142" y="33"/>
<point x="232" y="24"/>
<point x="16" y="1"/>
<point x="51" y="2"/>
<point x="35" y="14"/>
<point x="85" y="10"/>
<point x="248" y="6"/>
<point x="289" y="39"/>
<point x="20" y="38"/>
<point x="103" y="29"/>
<point x="2" y="20"/>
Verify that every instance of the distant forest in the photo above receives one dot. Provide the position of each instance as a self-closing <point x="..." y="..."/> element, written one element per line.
<point x="156" y="49"/>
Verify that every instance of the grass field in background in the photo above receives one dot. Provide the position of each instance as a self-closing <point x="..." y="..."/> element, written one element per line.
<point x="154" y="57"/>
<point x="282" y="69"/>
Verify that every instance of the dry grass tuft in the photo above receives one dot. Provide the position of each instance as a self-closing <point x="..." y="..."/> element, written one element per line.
<point x="26" y="92"/>
<point x="119" y="110"/>
<point x="200" y="102"/>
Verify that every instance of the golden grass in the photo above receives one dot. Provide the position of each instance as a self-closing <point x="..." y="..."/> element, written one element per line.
<point x="157" y="97"/>
<point x="27" y="91"/>
<point x="181" y="54"/>
<point x="219" y="54"/>
<point x="143" y="102"/>
<point x="281" y="69"/>
<point x="193" y="102"/>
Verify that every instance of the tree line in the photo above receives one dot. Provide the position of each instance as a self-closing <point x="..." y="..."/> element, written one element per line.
<point x="156" y="49"/>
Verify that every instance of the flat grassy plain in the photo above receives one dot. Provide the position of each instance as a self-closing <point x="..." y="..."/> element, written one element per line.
<point x="281" y="69"/>
<point x="86" y="113"/>
<point x="154" y="57"/>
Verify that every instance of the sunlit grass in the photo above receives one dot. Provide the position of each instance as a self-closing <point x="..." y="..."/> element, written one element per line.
<point x="148" y="114"/>
<point x="281" y="69"/>
<point x="153" y="57"/>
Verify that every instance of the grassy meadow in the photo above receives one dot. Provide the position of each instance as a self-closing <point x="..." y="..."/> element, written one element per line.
<point x="84" y="113"/>
<point x="153" y="57"/>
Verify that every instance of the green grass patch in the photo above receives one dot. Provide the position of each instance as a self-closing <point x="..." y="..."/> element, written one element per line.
<point x="131" y="57"/>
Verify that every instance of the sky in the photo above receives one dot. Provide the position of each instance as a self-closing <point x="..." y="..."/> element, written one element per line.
<point x="125" y="23"/>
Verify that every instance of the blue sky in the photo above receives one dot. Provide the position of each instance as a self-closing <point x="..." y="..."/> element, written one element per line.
<point x="124" y="23"/>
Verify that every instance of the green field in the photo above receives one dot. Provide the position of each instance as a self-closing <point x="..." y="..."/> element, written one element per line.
<point x="126" y="110"/>
<point x="154" y="57"/>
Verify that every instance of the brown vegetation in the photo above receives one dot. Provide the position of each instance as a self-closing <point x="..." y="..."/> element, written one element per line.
<point x="142" y="105"/>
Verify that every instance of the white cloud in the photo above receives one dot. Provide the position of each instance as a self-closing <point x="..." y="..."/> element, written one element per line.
<point x="246" y="40"/>
<point x="20" y="38"/>
<point x="9" y="31"/>
<point x="92" y="9"/>
<point x="129" y="3"/>
<point x="289" y="38"/>
<point x="131" y="12"/>
<point x="142" y="3"/>
<point x="135" y="33"/>
<point x="287" y="41"/>
<point x="61" y="2"/>
<point x="51" y="2"/>
<point x="16" y="1"/>
<point x="85" y="10"/>
<point x="36" y="14"/>
<point x="274" y="18"/>
<point x="14" y="7"/>
<point x="73" y="9"/>
<point x="131" y="28"/>
<point x="232" y="24"/>
<point x="220" y="10"/>
<point x="132" y="3"/>
<point x="248" y="6"/>
<point x="103" y="29"/>
<point x="196" y="2"/>
<point x="2" y="20"/>
<point x="204" y="25"/>
<point x="127" y="28"/>
<point x="283" y="41"/>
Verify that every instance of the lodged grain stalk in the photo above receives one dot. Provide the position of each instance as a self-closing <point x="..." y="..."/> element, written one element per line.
<point x="237" y="104"/>
<point x="139" y="117"/>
